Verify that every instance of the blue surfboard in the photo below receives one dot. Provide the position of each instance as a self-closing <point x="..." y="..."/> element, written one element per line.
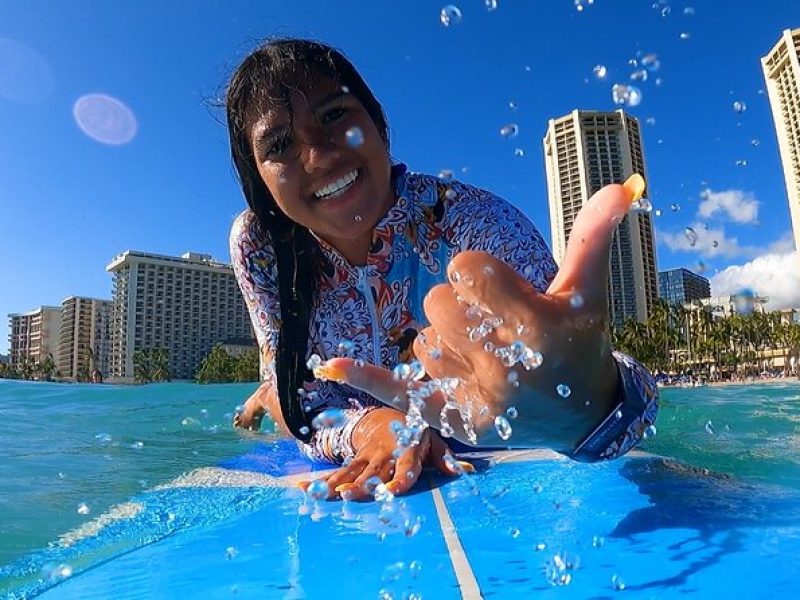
<point x="527" y="523"/>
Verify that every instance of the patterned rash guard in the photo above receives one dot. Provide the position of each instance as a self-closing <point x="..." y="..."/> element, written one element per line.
<point x="378" y="306"/>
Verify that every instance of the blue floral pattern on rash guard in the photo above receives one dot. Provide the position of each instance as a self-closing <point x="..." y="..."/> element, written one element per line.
<point x="378" y="306"/>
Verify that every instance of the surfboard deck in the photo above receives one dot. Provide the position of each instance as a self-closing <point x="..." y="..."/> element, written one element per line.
<point x="529" y="522"/>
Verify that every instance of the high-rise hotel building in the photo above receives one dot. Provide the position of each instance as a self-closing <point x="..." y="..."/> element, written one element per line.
<point x="184" y="304"/>
<point x="782" y="73"/>
<point x="33" y="336"/>
<point x="584" y="151"/>
<point x="84" y="339"/>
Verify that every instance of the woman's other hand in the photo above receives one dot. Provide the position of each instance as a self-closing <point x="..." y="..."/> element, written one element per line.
<point x="375" y="443"/>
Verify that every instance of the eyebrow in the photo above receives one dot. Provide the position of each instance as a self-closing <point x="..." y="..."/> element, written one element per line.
<point x="265" y="137"/>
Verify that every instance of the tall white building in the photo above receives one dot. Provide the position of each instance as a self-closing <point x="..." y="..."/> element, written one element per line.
<point x="84" y="339"/>
<point x="584" y="151"/>
<point x="184" y="304"/>
<point x="782" y="73"/>
<point x="33" y="336"/>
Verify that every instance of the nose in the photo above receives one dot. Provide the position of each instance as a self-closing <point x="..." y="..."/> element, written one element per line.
<point x="319" y="152"/>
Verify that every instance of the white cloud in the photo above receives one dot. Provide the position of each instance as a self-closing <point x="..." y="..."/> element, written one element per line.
<point x="776" y="276"/>
<point x="782" y="245"/>
<point x="737" y="205"/>
<point x="706" y="241"/>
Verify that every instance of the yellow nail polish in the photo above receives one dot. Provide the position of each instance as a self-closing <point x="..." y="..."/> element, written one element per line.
<point x="635" y="186"/>
<point x="303" y="484"/>
<point x="330" y="373"/>
<point x="468" y="467"/>
<point x="344" y="487"/>
<point x="393" y="486"/>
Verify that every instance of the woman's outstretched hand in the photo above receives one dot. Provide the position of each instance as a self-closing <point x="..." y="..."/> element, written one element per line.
<point x="375" y="443"/>
<point x="538" y="364"/>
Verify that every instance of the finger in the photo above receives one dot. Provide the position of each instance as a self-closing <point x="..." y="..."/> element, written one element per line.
<point x="361" y="489"/>
<point x="437" y="357"/>
<point x="409" y="465"/>
<point x="346" y="475"/>
<point x="441" y="457"/>
<point x="585" y="264"/>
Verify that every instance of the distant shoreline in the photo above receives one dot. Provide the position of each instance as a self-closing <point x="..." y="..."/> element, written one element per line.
<point x="755" y="381"/>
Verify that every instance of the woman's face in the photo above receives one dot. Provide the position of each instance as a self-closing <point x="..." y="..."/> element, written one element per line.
<point x="317" y="174"/>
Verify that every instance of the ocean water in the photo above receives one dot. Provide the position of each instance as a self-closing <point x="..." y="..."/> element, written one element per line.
<point x="69" y="453"/>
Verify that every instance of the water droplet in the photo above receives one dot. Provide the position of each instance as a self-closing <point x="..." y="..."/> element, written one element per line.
<point x="665" y="11"/>
<point x="354" y="137"/>
<point x="332" y="417"/>
<point x="657" y="212"/>
<point x="650" y="431"/>
<point x="691" y="236"/>
<point x="446" y="175"/>
<point x="688" y="11"/>
<point x="514" y="532"/>
<point x="414" y="567"/>
<point x="639" y="75"/>
<point x="754" y="142"/>
<point x="137" y="445"/>
<point x="509" y="131"/>
<point x="744" y="301"/>
<point x="304" y="430"/>
<point x="513" y="105"/>
<point x="563" y="390"/>
<point x="519" y="152"/>
<point x="358" y="218"/>
<point x="627" y="95"/>
<point x="739" y="107"/>
<point x="741" y="162"/>
<point x="618" y="414"/>
<point x="503" y="427"/>
<point x="650" y="120"/>
<point x="491" y="5"/>
<point x="685" y="35"/>
<point x="83" y="509"/>
<point x="314" y="361"/>
<point x="511" y="411"/>
<point x="674" y="207"/>
<point x="709" y="427"/>
<point x="642" y="205"/>
<point x="540" y="547"/>
<point x="600" y="71"/>
<point x="450" y="15"/>
<point x="617" y="583"/>
<point x="651" y="62"/>
<point x="346" y="348"/>
<point x="360" y="362"/>
<point x="598" y="541"/>
<point x="451" y="194"/>
<point x="447" y="430"/>
<point x="576" y="300"/>
<point x="394" y="571"/>
<point x="231" y="552"/>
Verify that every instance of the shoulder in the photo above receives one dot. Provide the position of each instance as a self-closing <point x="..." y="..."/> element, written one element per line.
<point x="246" y="228"/>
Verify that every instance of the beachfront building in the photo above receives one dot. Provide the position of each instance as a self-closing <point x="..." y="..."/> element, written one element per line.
<point x="185" y="305"/>
<point x="84" y="338"/>
<point x="731" y="304"/>
<point x="33" y="336"/>
<point x="678" y="286"/>
<point x="584" y="151"/>
<point x="782" y="73"/>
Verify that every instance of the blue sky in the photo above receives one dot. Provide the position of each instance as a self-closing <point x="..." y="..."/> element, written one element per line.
<point x="69" y="203"/>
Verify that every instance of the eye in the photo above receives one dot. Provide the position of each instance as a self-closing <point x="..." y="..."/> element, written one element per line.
<point x="278" y="146"/>
<point x="333" y="115"/>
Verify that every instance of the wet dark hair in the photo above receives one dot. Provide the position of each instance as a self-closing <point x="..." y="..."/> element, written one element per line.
<point x="267" y="77"/>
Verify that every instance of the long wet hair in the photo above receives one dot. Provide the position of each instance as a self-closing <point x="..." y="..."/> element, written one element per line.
<point x="267" y="78"/>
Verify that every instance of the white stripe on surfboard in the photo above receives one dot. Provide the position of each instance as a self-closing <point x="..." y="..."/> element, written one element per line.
<point x="464" y="574"/>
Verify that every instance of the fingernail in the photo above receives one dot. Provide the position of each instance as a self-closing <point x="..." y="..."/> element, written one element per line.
<point x="330" y="373"/>
<point x="635" y="186"/>
<point x="345" y="487"/>
<point x="393" y="486"/>
<point x="467" y="467"/>
<point x="303" y="484"/>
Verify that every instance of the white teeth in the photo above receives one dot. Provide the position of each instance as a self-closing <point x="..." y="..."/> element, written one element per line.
<point x="337" y="186"/>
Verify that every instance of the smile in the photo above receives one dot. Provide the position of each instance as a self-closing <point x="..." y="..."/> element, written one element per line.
<point x="338" y="187"/>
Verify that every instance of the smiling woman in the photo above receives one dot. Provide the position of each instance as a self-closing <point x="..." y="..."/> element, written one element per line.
<point x="341" y="252"/>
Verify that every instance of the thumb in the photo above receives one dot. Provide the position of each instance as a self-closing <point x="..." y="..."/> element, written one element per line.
<point x="585" y="264"/>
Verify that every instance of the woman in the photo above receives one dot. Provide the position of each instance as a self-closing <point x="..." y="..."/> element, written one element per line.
<point x="343" y="253"/>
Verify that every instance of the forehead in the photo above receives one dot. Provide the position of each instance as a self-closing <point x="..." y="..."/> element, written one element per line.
<point x="278" y="107"/>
